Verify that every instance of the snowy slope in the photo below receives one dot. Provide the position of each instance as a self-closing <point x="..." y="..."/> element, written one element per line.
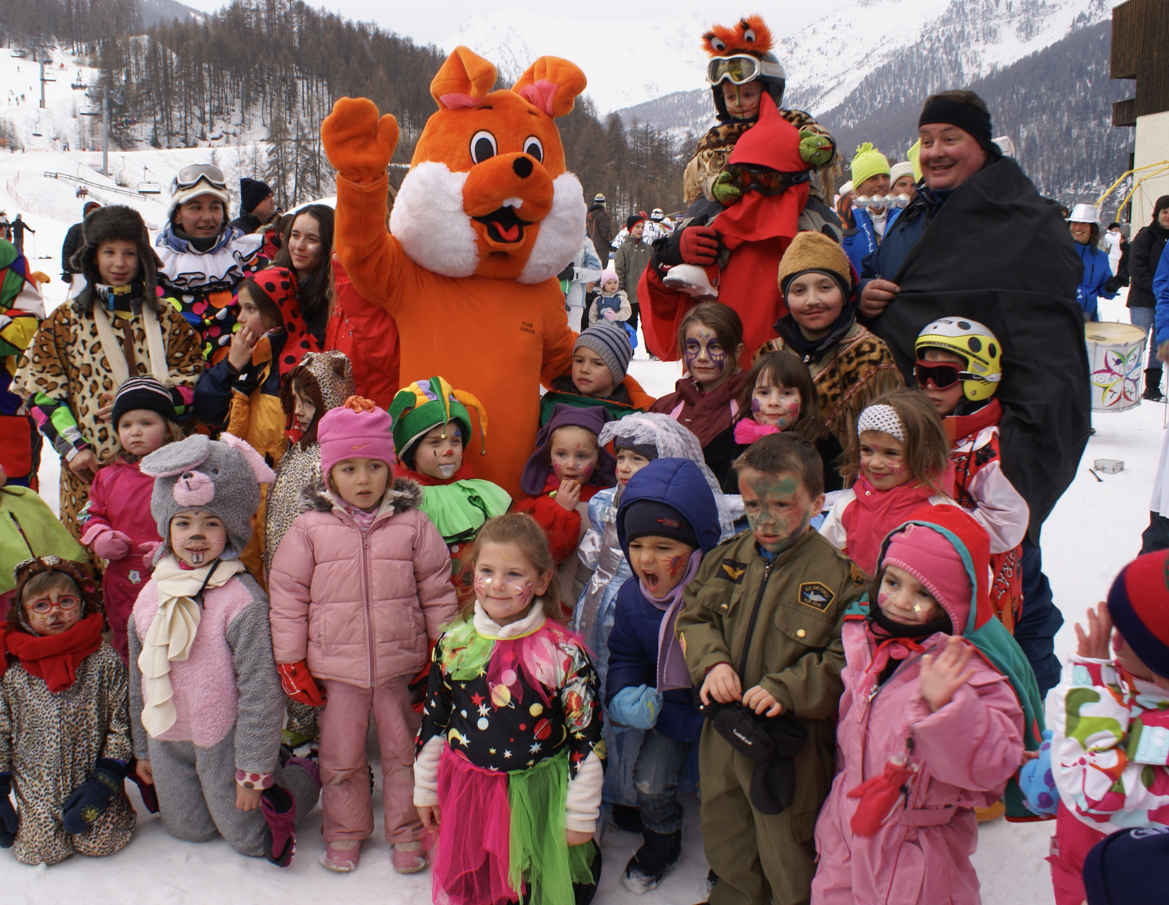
<point x="632" y="62"/>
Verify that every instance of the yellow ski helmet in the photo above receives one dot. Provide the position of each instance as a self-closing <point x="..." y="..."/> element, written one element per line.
<point x="976" y="344"/>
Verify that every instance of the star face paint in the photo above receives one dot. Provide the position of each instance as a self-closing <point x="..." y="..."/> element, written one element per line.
<point x="629" y="463"/>
<point x="707" y="361"/>
<point x="883" y="460"/>
<point x="905" y="600"/>
<point x="197" y="537"/>
<point x="437" y="456"/>
<point x="779" y="507"/>
<point x="506" y="583"/>
<point x="775" y="404"/>
<point x="573" y="454"/>
<point x="660" y="563"/>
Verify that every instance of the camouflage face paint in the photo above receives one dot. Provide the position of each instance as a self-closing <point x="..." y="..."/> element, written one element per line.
<point x="779" y="508"/>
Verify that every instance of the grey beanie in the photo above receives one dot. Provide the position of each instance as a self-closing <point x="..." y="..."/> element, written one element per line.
<point x="612" y="344"/>
<point x="222" y="477"/>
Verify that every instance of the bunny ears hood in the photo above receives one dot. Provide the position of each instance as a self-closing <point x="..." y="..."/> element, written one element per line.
<point x="222" y="477"/>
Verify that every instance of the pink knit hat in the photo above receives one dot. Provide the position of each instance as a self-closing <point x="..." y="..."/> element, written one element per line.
<point x="929" y="557"/>
<point x="357" y="429"/>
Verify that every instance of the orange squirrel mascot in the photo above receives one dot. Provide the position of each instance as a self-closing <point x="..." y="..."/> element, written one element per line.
<point x="485" y="219"/>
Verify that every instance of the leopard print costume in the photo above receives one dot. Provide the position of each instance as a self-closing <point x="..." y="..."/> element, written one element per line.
<point x="714" y="150"/>
<point x="847" y="377"/>
<point x="50" y="743"/>
<point x="67" y="364"/>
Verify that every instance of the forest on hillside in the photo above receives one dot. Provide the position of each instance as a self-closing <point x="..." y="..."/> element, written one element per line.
<point x="275" y="67"/>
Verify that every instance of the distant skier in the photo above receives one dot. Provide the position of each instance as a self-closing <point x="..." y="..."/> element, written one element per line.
<point x="18" y="227"/>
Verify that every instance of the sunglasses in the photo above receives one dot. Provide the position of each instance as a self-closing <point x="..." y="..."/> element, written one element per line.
<point x="190" y="176"/>
<point x="740" y="69"/>
<point x="765" y="181"/>
<point x="42" y="607"/>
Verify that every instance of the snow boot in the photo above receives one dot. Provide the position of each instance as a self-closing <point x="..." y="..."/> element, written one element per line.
<point x="648" y="867"/>
<point x="1153" y="385"/>
<point x="279" y="811"/>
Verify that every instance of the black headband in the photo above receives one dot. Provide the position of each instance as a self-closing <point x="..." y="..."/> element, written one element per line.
<point x="965" y="116"/>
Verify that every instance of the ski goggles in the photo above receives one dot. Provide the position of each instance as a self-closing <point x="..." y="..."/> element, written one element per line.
<point x="740" y="69"/>
<point x="763" y="180"/>
<point x="946" y="374"/>
<point x="190" y="176"/>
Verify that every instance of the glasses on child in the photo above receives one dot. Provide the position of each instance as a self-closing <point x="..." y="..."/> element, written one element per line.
<point x="41" y="607"/>
<point x="765" y="181"/>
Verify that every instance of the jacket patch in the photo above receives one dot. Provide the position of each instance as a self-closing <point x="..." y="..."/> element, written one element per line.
<point x="732" y="571"/>
<point x="816" y="595"/>
<point x="858" y="576"/>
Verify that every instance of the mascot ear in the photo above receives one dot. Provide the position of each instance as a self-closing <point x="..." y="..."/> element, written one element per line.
<point x="551" y="84"/>
<point x="463" y="81"/>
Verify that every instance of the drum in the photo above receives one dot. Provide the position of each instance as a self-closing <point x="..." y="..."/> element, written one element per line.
<point x="1115" y="357"/>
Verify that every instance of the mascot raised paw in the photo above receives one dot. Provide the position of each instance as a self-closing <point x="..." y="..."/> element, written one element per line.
<point x="484" y="220"/>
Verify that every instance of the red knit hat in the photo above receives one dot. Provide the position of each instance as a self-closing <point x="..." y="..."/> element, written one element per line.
<point x="1139" y="606"/>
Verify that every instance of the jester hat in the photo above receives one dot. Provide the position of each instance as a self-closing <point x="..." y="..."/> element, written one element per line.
<point x="425" y="404"/>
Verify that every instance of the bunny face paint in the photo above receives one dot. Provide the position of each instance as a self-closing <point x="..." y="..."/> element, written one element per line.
<point x="197" y="537"/>
<point x="506" y="583"/>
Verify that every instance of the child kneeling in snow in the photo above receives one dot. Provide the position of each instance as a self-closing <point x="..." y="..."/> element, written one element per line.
<point x="1108" y="716"/>
<point x="64" y="738"/>
<point x="206" y="706"/>
<point x="929" y="730"/>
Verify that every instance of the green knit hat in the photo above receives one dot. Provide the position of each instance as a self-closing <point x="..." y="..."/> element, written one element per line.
<point x="426" y="404"/>
<point x="868" y="162"/>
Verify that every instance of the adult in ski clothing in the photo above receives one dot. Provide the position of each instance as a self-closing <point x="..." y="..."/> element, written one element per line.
<point x="749" y="189"/>
<point x="257" y="205"/>
<point x="870" y="176"/>
<point x="78" y="360"/>
<point x="19" y="227"/>
<point x="367" y="335"/>
<point x="630" y="261"/>
<point x="21" y="312"/>
<point x="947" y="760"/>
<point x="1085" y="229"/>
<point x="204" y="258"/>
<point x="600" y="229"/>
<point x="1144" y="254"/>
<point x="74" y="239"/>
<point x="979" y="241"/>
<point x="460" y="262"/>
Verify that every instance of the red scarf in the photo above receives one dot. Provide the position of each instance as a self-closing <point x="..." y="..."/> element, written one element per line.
<point x="55" y="658"/>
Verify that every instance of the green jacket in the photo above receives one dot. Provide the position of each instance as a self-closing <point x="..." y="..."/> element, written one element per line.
<point x="629" y="262"/>
<point x="29" y="528"/>
<point x="796" y="652"/>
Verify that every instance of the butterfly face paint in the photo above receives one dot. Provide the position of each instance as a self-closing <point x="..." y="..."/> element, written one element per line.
<point x="779" y="507"/>
<point x="660" y="563"/>
<point x="707" y="362"/>
<point x="506" y="583"/>
<point x="776" y="405"/>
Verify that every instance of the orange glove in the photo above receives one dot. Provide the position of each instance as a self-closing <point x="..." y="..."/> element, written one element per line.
<point x="357" y="143"/>
<point x="299" y="685"/>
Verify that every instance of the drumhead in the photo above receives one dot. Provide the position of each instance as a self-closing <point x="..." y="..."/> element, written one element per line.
<point x="1113" y="334"/>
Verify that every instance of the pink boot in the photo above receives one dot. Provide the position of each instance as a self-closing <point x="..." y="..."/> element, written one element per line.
<point x="409" y="858"/>
<point x="279" y="812"/>
<point x="341" y="861"/>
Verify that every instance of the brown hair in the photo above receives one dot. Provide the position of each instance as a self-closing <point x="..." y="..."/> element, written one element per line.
<point x="785" y="368"/>
<point x="525" y="533"/>
<point x="962" y="96"/>
<point x="927" y="450"/>
<point x="788" y="453"/>
<point x="263" y="302"/>
<point x="174" y="433"/>
<point x="720" y="318"/>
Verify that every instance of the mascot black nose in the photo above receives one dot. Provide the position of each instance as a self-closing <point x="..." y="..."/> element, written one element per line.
<point x="522" y="167"/>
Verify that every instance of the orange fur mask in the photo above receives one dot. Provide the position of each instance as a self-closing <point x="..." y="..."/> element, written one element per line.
<point x="750" y="35"/>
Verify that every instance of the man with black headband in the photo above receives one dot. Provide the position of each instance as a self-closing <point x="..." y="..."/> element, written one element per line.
<point x="979" y="242"/>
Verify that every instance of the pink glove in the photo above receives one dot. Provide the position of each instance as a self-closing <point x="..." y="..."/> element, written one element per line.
<point x="148" y="550"/>
<point x="108" y="543"/>
<point x="609" y="314"/>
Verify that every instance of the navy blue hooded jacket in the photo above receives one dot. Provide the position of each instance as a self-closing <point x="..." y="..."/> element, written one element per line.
<point x="633" y="642"/>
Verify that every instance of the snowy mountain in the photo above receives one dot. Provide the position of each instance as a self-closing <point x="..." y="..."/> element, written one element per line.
<point x="825" y="62"/>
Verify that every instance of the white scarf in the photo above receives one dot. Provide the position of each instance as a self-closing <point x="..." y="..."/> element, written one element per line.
<point x="159" y="368"/>
<point x="172" y="632"/>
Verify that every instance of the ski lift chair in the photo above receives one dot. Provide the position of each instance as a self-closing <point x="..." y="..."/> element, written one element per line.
<point x="148" y="187"/>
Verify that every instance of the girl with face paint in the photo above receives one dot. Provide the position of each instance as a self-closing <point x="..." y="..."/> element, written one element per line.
<point x="777" y="395"/>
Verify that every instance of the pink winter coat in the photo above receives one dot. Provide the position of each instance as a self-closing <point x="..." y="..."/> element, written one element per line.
<point x="968" y="750"/>
<point x="362" y="608"/>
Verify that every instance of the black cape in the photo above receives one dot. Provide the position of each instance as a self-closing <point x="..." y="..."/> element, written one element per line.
<point x="998" y="253"/>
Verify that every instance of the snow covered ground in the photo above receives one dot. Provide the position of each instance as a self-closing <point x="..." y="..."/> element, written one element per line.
<point x="1092" y="533"/>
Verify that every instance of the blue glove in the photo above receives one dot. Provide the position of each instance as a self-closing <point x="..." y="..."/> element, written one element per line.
<point x="91" y="799"/>
<point x="1036" y="782"/>
<point x="9" y="821"/>
<point x="636" y="707"/>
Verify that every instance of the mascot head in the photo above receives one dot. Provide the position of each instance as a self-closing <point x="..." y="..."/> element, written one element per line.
<point x="487" y="193"/>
